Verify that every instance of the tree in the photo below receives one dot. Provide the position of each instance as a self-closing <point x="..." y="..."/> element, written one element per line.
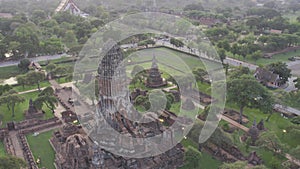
<point x="282" y="70"/>
<point x="27" y="37"/>
<point x="70" y="39"/>
<point x="192" y="158"/>
<point x="23" y="65"/>
<point x="21" y="79"/>
<point x="11" y="99"/>
<point x="38" y="16"/>
<point x="50" y="68"/>
<point x="52" y="46"/>
<point x="239" y="71"/>
<point x="11" y="162"/>
<point x="222" y="55"/>
<point x="59" y="72"/>
<point x="245" y="91"/>
<point x="256" y="55"/>
<point x="270" y="141"/>
<point x="4" y="88"/>
<point x="35" y="78"/>
<point x="176" y="42"/>
<point x="46" y="97"/>
<point x="199" y="74"/>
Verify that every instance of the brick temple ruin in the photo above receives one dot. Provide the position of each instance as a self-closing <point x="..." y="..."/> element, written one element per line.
<point x="76" y="150"/>
<point x="154" y="79"/>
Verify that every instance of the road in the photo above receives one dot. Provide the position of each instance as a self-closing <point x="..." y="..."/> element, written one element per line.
<point x="36" y="59"/>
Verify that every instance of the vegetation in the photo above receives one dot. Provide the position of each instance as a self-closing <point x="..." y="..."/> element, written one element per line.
<point x="46" y="153"/>
<point x="245" y="91"/>
<point x="11" y="162"/>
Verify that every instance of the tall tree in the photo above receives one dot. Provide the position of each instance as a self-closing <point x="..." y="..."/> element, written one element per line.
<point x="35" y="78"/>
<point x="11" y="99"/>
<point x="23" y="65"/>
<point x="245" y="91"/>
<point x="50" y="68"/>
<point x="282" y="70"/>
<point x="21" y="79"/>
<point x="59" y="72"/>
<point x="222" y="54"/>
<point x="46" y="97"/>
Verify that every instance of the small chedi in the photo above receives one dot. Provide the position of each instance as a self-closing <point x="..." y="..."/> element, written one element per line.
<point x="154" y="79"/>
<point x="33" y="112"/>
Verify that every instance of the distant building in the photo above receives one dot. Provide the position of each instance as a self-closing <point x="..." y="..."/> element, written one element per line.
<point x="267" y="78"/>
<point x="6" y="15"/>
<point x="275" y="31"/>
<point x="35" y="65"/>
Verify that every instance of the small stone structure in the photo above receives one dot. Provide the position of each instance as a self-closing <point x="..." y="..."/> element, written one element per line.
<point x="253" y="132"/>
<point x="32" y="112"/>
<point x="136" y="93"/>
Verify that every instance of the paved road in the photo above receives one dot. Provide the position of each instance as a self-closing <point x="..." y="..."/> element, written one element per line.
<point x="234" y="62"/>
<point x="36" y="59"/>
<point x="285" y="109"/>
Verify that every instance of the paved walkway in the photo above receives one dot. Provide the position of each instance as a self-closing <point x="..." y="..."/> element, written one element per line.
<point x="16" y="144"/>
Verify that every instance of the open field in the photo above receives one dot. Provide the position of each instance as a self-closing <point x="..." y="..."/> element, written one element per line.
<point x="42" y="149"/>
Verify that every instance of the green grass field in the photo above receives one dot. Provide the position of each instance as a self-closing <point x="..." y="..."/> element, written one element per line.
<point x="170" y="60"/>
<point x="2" y="149"/>
<point x="20" y="108"/>
<point x="276" y="123"/>
<point x="41" y="148"/>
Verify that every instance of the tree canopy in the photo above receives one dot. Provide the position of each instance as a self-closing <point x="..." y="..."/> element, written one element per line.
<point x="245" y="91"/>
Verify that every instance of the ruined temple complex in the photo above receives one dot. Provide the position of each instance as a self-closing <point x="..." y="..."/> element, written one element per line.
<point x="76" y="150"/>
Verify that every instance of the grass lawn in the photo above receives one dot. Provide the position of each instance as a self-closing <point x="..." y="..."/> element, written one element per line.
<point x="41" y="147"/>
<point x="2" y="149"/>
<point x="19" y="110"/>
<point x="172" y="58"/>
<point x="9" y="71"/>
<point x="263" y="61"/>
<point x="276" y="123"/>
